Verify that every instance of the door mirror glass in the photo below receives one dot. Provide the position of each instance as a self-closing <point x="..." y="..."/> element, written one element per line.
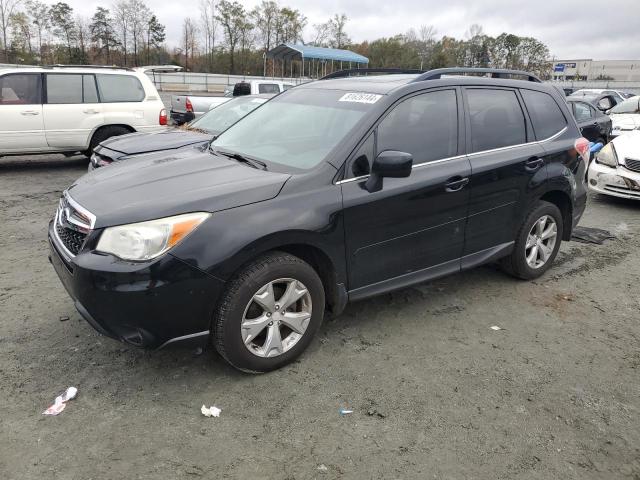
<point x="604" y="104"/>
<point x="390" y="163"/>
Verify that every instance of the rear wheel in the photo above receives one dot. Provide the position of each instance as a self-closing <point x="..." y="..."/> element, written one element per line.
<point x="269" y="313"/>
<point x="104" y="133"/>
<point x="537" y="243"/>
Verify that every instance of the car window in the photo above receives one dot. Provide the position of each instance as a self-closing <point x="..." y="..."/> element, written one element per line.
<point x="89" y="90"/>
<point x="20" y="89"/>
<point x="225" y="115"/>
<point x="631" y="105"/>
<point x="268" y="88"/>
<point x="582" y="111"/>
<point x="119" y="88"/>
<point x="426" y="126"/>
<point x="298" y="129"/>
<point x="287" y="86"/>
<point x="605" y="103"/>
<point x="546" y="116"/>
<point x="496" y="118"/>
<point x="64" y="88"/>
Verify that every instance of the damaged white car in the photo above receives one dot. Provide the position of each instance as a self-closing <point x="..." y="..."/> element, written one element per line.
<point x="616" y="168"/>
<point x="625" y="116"/>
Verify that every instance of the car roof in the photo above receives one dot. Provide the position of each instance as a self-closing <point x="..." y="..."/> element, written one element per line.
<point x="71" y="69"/>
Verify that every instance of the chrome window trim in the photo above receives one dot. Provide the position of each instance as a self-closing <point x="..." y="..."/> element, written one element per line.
<point x="457" y="157"/>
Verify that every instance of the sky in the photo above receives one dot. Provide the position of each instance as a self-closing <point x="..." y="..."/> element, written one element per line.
<point x="572" y="29"/>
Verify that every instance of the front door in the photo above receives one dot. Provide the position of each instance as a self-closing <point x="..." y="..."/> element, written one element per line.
<point x="21" y="124"/>
<point x="413" y="225"/>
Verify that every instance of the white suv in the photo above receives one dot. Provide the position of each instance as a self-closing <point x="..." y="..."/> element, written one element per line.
<point x="73" y="109"/>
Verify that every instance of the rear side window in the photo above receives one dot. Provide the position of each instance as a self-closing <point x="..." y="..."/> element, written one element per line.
<point x="71" y="89"/>
<point x="20" y="89"/>
<point x="89" y="90"/>
<point x="268" y="88"/>
<point x="582" y="111"/>
<point x="119" y="88"/>
<point x="496" y="119"/>
<point x="545" y="114"/>
<point x="426" y="126"/>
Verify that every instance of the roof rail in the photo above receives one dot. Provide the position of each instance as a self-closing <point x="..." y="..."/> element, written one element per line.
<point x="491" y="72"/>
<point x="355" y="72"/>
<point x="106" y="67"/>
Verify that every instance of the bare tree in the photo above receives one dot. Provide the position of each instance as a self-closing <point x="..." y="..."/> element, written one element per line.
<point x="122" y="18"/>
<point x="189" y="39"/>
<point x="208" y="20"/>
<point x="84" y="37"/>
<point x="427" y="35"/>
<point x="7" y="9"/>
<point x="264" y="17"/>
<point x="231" y="16"/>
<point x="139" y="16"/>
<point x="40" y="17"/>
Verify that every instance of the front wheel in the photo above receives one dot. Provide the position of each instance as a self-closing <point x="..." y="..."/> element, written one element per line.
<point x="537" y="243"/>
<point x="269" y="313"/>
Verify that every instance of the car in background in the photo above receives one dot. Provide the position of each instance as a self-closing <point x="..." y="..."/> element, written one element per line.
<point x="615" y="170"/>
<point x="72" y="109"/>
<point x="185" y="108"/>
<point x="331" y="192"/>
<point x="617" y="95"/>
<point x="594" y="125"/>
<point x="602" y="101"/>
<point x="625" y="116"/>
<point x="196" y="134"/>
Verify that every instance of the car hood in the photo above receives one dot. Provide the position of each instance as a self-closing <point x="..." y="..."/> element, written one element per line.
<point x="625" y="120"/>
<point x="628" y="144"/>
<point x="158" y="186"/>
<point x="137" y="143"/>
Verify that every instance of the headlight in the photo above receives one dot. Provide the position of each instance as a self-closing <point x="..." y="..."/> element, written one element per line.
<point x="607" y="156"/>
<point x="147" y="240"/>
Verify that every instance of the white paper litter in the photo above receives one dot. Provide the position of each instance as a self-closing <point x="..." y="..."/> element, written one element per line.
<point x="495" y="327"/>
<point x="345" y="412"/>
<point x="60" y="402"/>
<point x="210" y="411"/>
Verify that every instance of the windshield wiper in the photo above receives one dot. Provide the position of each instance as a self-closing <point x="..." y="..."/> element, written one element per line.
<point x="243" y="159"/>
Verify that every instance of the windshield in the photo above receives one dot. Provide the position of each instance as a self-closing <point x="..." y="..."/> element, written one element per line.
<point x="226" y="114"/>
<point x="298" y="128"/>
<point x="628" y="106"/>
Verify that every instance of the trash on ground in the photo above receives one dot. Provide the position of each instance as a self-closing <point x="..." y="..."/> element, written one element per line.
<point x="345" y="412"/>
<point x="373" y="412"/>
<point x="495" y="327"/>
<point x="323" y="468"/>
<point x="210" y="411"/>
<point x="591" y="235"/>
<point x="64" y="318"/>
<point x="61" y="401"/>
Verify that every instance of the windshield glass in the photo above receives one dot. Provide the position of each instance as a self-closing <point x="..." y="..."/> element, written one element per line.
<point x="628" y="106"/>
<point x="298" y="128"/>
<point x="226" y="114"/>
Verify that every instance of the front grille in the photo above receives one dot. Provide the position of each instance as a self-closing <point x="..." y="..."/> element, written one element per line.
<point x="72" y="224"/>
<point x="71" y="239"/>
<point x="632" y="164"/>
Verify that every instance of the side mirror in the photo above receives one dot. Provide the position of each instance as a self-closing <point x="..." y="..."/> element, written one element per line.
<point x="389" y="163"/>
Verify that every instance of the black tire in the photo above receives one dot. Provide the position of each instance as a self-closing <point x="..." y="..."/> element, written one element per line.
<point x="516" y="263"/>
<point x="104" y="133"/>
<point x="228" y="316"/>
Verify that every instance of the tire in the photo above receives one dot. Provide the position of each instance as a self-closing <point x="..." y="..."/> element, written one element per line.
<point x="240" y="334"/>
<point x="517" y="263"/>
<point x="102" y="134"/>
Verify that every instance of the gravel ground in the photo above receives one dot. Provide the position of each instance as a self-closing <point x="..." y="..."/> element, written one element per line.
<point x="435" y="392"/>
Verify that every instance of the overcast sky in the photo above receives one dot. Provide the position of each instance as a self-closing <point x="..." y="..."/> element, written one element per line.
<point x="572" y="29"/>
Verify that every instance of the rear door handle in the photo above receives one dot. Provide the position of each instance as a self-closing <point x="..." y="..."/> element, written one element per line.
<point x="91" y="111"/>
<point x="455" y="184"/>
<point x="30" y="112"/>
<point x="533" y="164"/>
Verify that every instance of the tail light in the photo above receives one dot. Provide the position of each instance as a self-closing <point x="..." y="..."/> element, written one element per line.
<point x="163" y="117"/>
<point x="188" y="105"/>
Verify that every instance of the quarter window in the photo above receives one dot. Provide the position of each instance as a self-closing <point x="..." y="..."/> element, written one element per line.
<point x="20" y="89"/>
<point x="496" y="119"/>
<point x="426" y="126"/>
<point x="582" y="111"/>
<point x="546" y="116"/>
<point x="119" y="88"/>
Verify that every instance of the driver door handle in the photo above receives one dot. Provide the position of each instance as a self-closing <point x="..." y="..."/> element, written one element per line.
<point x="455" y="184"/>
<point x="30" y="112"/>
<point x="91" y="111"/>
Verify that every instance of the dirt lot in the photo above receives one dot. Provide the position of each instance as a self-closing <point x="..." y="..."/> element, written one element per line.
<point x="435" y="392"/>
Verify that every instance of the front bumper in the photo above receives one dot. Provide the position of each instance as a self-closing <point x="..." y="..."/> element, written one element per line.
<point x="618" y="182"/>
<point x="150" y="304"/>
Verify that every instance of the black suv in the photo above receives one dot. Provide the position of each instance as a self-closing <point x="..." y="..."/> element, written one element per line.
<point x="333" y="191"/>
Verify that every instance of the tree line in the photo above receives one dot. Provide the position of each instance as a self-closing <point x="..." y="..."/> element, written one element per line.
<point x="225" y="37"/>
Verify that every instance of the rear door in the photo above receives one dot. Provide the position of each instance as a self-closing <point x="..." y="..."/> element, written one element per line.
<point x="506" y="164"/>
<point x="21" y="124"/>
<point x="414" y="225"/>
<point x="585" y="116"/>
<point x="72" y="110"/>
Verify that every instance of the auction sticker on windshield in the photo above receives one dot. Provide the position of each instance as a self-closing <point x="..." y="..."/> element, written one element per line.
<point x="360" y="97"/>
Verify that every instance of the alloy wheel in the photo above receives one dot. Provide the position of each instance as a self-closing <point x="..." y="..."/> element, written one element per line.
<point x="541" y="241"/>
<point x="276" y="317"/>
